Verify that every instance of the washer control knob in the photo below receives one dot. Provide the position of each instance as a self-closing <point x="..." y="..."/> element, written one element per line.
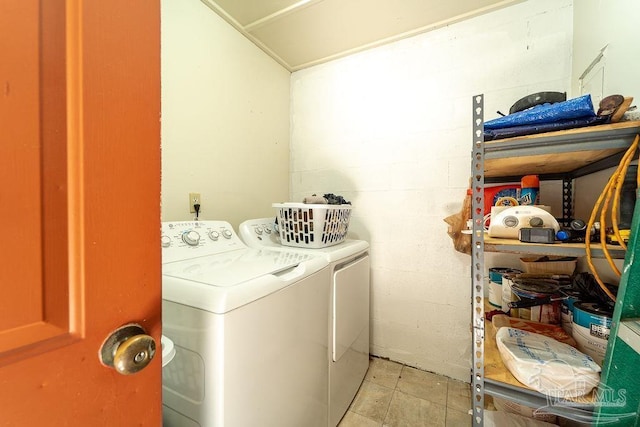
<point x="191" y="238"/>
<point x="536" y="221"/>
<point x="227" y="234"/>
<point x="267" y="229"/>
<point x="258" y="230"/>
<point x="165" y="241"/>
<point x="510" y="221"/>
<point x="213" y="235"/>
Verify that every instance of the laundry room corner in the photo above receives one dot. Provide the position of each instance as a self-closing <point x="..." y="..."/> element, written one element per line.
<point x="389" y="129"/>
<point x="320" y="213"/>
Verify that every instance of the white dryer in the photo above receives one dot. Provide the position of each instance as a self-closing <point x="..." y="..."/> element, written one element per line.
<point x="249" y="331"/>
<point x="348" y="320"/>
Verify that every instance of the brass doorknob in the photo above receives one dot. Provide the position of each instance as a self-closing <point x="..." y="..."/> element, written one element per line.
<point x="128" y="349"/>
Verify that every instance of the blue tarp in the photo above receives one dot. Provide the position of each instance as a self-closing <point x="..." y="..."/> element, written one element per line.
<point x="577" y="108"/>
<point x="491" y="134"/>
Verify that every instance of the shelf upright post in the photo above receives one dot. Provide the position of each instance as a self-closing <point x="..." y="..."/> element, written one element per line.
<point x="567" y="200"/>
<point x="477" y="259"/>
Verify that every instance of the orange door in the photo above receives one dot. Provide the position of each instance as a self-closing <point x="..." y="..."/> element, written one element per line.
<point x="79" y="208"/>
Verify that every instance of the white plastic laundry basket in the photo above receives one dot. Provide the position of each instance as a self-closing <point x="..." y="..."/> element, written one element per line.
<point x="312" y="226"/>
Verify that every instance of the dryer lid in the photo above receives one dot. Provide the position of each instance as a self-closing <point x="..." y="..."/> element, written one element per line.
<point x="261" y="233"/>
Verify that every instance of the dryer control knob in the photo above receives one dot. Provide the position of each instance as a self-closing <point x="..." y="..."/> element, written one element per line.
<point x="258" y="230"/>
<point x="165" y="241"/>
<point x="191" y="238"/>
<point x="536" y="221"/>
<point x="227" y="234"/>
<point x="213" y="235"/>
<point x="510" y="221"/>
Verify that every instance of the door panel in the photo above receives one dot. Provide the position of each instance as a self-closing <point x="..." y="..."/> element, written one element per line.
<point x="79" y="208"/>
<point x="20" y="95"/>
<point x="34" y="307"/>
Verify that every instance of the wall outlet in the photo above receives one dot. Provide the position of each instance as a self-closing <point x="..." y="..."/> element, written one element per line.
<point x="194" y="198"/>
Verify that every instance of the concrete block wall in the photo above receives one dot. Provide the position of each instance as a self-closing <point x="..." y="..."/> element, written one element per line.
<point x="390" y="130"/>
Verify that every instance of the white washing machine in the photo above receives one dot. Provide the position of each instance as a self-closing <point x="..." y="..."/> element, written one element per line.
<point x="249" y="328"/>
<point x="348" y="320"/>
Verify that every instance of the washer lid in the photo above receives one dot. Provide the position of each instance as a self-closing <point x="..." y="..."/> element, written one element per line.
<point x="227" y="281"/>
<point x="233" y="268"/>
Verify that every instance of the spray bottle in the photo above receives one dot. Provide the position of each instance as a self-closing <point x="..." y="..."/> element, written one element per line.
<point x="530" y="187"/>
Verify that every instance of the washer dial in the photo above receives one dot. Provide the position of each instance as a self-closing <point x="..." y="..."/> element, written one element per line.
<point x="165" y="241"/>
<point x="191" y="238"/>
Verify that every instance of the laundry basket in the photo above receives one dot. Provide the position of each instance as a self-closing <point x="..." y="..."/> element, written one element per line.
<point x="312" y="226"/>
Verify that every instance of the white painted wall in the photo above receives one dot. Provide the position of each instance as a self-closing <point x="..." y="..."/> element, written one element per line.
<point x="598" y="23"/>
<point x="390" y="130"/>
<point x="225" y="118"/>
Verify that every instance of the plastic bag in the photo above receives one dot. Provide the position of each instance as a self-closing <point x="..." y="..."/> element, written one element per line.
<point x="553" y="368"/>
<point x="546" y="113"/>
<point x="501" y="419"/>
<point x="457" y="223"/>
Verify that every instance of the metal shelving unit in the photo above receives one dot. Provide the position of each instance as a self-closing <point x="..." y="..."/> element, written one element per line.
<point x="564" y="155"/>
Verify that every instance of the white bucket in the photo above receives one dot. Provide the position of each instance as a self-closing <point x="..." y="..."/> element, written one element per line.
<point x="591" y="328"/>
<point x="495" y="294"/>
<point x="496" y="275"/>
<point x="566" y="312"/>
<point x="528" y="290"/>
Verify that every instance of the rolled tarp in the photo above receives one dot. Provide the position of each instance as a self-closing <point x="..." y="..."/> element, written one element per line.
<point x="510" y="132"/>
<point x="576" y="108"/>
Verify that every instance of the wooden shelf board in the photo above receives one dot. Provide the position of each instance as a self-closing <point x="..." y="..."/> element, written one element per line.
<point x="557" y="152"/>
<point x="546" y="164"/>
<point x="556" y="249"/>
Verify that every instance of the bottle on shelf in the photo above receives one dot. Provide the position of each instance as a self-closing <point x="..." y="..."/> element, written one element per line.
<point x="529" y="190"/>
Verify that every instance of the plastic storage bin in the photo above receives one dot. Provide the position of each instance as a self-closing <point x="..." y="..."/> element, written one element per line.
<point x="312" y="226"/>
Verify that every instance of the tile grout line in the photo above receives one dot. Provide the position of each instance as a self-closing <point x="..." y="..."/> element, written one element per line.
<point x="395" y="389"/>
<point x="386" y="412"/>
<point x="393" y="393"/>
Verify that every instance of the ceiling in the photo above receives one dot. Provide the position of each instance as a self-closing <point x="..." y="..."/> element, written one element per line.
<point x="302" y="33"/>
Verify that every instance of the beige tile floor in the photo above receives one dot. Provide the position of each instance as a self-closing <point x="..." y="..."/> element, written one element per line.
<point x="396" y="395"/>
